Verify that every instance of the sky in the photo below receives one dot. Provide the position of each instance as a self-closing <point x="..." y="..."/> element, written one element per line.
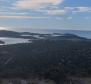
<point x="45" y="14"/>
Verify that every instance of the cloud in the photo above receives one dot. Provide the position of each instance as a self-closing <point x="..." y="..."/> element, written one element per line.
<point x="82" y="9"/>
<point x="42" y="7"/>
<point x="36" y="4"/>
<point x="66" y="10"/>
<point x="78" y="9"/>
<point x="21" y="17"/>
<point x="56" y="12"/>
<point x="12" y="13"/>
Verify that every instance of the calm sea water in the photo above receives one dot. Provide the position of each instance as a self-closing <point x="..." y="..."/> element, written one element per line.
<point x="81" y="33"/>
<point x="86" y="34"/>
<point x="13" y="40"/>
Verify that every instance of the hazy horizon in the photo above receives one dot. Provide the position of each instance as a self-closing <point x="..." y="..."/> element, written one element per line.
<point x="29" y="29"/>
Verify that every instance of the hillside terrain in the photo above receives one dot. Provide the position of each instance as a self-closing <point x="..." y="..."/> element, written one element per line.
<point x="53" y="57"/>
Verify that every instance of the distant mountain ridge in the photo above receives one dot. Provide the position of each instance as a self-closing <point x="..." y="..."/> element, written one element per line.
<point x="37" y="36"/>
<point x="7" y="33"/>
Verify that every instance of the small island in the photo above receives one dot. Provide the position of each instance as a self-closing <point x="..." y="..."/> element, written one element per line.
<point x="2" y="42"/>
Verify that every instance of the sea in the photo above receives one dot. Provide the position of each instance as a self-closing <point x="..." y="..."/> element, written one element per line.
<point x="81" y="33"/>
<point x="9" y="41"/>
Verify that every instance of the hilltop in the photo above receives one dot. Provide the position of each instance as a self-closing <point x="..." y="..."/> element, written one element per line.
<point x="53" y="56"/>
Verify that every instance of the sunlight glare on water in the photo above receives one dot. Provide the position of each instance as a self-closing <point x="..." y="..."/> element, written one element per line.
<point x="3" y="28"/>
